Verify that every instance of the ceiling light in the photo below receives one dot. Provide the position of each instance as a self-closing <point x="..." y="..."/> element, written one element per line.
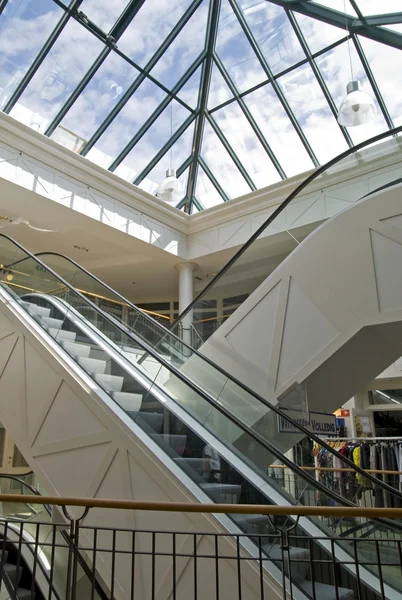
<point x="83" y="248"/>
<point x="4" y="218"/>
<point x="8" y="275"/>
<point x="357" y="108"/>
<point x="170" y="190"/>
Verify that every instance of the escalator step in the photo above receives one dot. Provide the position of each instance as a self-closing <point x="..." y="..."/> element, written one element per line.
<point x="325" y="591"/>
<point x="92" y="365"/>
<point x="14" y="573"/>
<point x="77" y="350"/>
<point x="24" y="594"/>
<point x="61" y="334"/>
<point x="50" y="322"/>
<point x="127" y="401"/>
<point x="35" y="309"/>
<point x="111" y="383"/>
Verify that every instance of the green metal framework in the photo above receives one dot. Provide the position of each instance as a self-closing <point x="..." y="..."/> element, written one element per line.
<point x="241" y="94"/>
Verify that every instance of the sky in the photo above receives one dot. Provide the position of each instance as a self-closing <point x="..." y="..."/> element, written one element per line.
<point x="261" y="140"/>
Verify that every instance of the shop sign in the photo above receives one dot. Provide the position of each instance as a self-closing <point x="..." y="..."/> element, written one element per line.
<point x="315" y="422"/>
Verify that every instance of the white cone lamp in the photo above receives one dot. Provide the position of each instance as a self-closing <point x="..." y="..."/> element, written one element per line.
<point x="170" y="190"/>
<point x="357" y="108"/>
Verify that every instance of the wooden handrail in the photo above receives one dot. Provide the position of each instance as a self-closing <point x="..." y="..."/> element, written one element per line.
<point x="248" y="509"/>
<point x="341" y="470"/>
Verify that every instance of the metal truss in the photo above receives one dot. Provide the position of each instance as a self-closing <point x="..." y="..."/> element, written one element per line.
<point x="372" y="27"/>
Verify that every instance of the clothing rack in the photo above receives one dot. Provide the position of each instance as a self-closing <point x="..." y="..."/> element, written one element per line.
<point x="364" y="439"/>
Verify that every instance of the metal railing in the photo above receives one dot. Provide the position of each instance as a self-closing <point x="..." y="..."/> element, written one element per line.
<point x="195" y="386"/>
<point x="280" y="561"/>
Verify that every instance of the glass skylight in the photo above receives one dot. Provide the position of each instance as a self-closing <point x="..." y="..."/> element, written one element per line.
<point x="233" y="94"/>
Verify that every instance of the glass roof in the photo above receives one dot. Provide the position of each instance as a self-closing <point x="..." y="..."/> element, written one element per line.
<point x="234" y="94"/>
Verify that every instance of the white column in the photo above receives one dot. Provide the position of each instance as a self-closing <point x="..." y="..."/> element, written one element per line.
<point x="186" y="295"/>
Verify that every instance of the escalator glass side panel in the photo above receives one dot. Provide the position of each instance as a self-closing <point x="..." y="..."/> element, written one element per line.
<point x="222" y="458"/>
<point x="324" y="197"/>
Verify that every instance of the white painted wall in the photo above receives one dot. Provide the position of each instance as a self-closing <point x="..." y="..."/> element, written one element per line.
<point x="81" y="444"/>
<point x="330" y="314"/>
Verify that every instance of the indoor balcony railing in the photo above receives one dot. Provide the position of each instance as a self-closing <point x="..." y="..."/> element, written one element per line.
<point x="37" y="562"/>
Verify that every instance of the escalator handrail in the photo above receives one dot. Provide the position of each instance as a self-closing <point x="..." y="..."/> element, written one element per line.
<point x="65" y="535"/>
<point x="195" y="388"/>
<point x="212" y="401"/>
<point x="316" y="173"/>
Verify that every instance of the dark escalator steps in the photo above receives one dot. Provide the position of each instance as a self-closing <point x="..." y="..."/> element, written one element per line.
<point x="325" y="591"/>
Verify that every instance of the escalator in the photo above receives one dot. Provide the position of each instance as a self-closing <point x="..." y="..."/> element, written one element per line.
<point x="139" y="411"/>
<point x="90" y="404"/>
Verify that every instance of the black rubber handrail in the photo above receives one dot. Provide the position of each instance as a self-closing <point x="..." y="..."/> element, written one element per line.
<point x="319" y="171"/>
<point x="195" y="388"/>
<point x="65" y="535"/>
<point x="151" y="352"/>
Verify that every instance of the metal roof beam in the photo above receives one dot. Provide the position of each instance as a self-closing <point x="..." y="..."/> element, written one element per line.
<point x="115" y="34"/>
<point x="274" y="83"/>
<point x="157" y="112"/>
<point x="165" y="148"/>
<point x="210" y="40"/>
<point x="44" y="51"/>
<point x="3" y="4"/>
<point x="373" y="83"/>
<point x="339" y="19"/>
<point x="137" y="82"/>
<point x="213" y="180"/>
<point x="393" y="19"/>
<point x="231" y="152"/>
<point x="318" y="75"/>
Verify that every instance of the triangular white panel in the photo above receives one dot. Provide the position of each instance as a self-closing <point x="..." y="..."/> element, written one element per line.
<point x="233" y="233"/>
<point x="40" y="390"/>
<point x="306" y="211"/>
<point x="7" y="344"/>
<point x="68" y="418"/>
<point x="12" y="386"/>
<point x="114" y="485"/>
<point x="306" y="333"/>
<point x="6" y="327"/>
<point x="335" y="206"/>
<point x="71" y="471"/>
<point x="395" y="221"/>
<point x="261" y="318"/>
<point x="387" y="257"/>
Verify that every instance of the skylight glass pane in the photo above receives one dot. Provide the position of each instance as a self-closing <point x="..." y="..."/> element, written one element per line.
<point x="339" y="6"/>
<point x="190" y="91"/>
<point x="218" y="160"/>
<point x="174" y="158"/>
<point x="103" y="14"/>
<point x="206" y="192"/>
<point x="153" y="140"/>
<point x="273" y="32"/>
<point x="133" y="115"/>
<point x="99" y="97"/>
<point x="149" y="28"/>
<point x="278" y="130"/>
<point x="58" y="76"/>
<point x="235" y="52"/>
<point x="246" y="145"/>
<point x="310" y="107"/>
<point x="374" y="7"/>
<point x="335" y="68"/>
<point x="183" y="51"/>
<point x="318" y="34"/>
<point x="19" y="22"/>
<point x="219" y="91"/>
<point x="386" y="65"/>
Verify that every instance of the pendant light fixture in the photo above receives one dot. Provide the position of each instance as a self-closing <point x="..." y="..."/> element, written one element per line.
<point x="357" y="108"/>
<point x="171" y="189"/>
